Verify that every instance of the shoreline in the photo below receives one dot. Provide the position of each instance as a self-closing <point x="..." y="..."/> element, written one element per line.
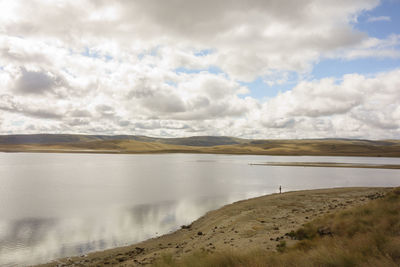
<point x="257" y="223"/>
<point x="329" y="165"/>
<point x="209" y="152"/>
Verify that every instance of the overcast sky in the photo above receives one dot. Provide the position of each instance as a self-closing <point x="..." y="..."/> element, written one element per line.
<point x="253" y="69"/>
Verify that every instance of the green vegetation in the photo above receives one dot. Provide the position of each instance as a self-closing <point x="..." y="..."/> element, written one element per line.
<point x="364" y="236"/>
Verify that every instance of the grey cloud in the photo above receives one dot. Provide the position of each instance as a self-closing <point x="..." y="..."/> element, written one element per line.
<point x="124" y="123"/>
<point x="177" y="16"/>
<point x="42" y="114"/>
<point x="141" y="92"/>
<point x="144" y="87"/>
<point x="199" y="102"/>
<point x="80" y="113"/>
<point x="22" y="57"/>
<point x="36" y="82"/>
<point x="8" y="103"/>
<point x="78" y="122"/>
<point x="105" y="110"/>
<point x="207" y="18"/>
<point x="279" y="123"/>
<point x="310" y="28"/>
<point x="148" y="125"/>
<point x="226" y="109"/>
<point x="31" y="127"/>
<point x="164" y="102"/>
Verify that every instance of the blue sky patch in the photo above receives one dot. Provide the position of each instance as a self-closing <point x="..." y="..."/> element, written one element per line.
<point x="203" y="52"/>
<point x="339" y="67"/>
<point x="381" y="22"/>
<point x="260" y="89"/>
<point x="381" y="28"/>
<point x="90" y="53"/>
<point x="211" y="69"/>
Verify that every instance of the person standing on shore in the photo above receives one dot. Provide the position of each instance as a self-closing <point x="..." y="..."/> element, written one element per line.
<point x="280" y="189"/>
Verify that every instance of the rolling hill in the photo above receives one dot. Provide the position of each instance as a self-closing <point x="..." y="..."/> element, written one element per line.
<point x="197" y="144"/>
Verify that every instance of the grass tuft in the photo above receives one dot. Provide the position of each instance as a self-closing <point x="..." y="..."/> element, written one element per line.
<point x="363" y="236"/>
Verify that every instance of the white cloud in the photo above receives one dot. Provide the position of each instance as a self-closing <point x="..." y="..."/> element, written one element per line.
<point x="379" y="18"/>
<point x="370" y="47"/>
<point x="102" y="67"/>
<point x="247" y="38"/>
<point x="354" y="106"/>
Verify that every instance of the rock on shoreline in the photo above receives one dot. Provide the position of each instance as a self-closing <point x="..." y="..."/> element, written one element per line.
<point x="258" y="223"/>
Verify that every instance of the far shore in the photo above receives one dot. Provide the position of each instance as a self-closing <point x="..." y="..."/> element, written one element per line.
<point x="258" y="223"/>
<point x="135" y="144"/>
<point x="330" y="164"/>
<point x="201" y="145"/>
<point x="202" y="150"/>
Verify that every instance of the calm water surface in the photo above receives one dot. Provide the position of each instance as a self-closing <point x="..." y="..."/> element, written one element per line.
<point x="57" y="205"/>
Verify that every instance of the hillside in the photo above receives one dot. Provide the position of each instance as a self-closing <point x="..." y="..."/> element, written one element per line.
<point x="24" y="139"/>
<point x="197" y="144"/>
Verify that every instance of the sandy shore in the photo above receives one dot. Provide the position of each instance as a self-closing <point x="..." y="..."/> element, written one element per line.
<point x="330" y="164"/>
<point x="257" y="223"/>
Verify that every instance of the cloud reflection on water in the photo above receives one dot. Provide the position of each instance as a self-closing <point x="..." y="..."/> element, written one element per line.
<point x="34" y="240"/>
<point x="51" y="208"/>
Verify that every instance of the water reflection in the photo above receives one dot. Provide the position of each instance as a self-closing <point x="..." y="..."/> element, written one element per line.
<point x="35" y="240"/>
<point x="56" y="205"/>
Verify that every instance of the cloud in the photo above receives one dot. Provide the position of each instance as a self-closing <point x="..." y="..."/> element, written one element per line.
<point x="177" y="68"/>
<point x="80" y="113"/>
<point x="9" y="104"/>
<point x="380" y="18"/>
<point x="246" y="39"/>
<point x="355" y="105"/>
<point x="35" y="82"/>
<point x="370" y="47"/>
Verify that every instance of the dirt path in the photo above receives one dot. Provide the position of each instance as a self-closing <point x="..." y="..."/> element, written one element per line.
<point x="258" y="223"/>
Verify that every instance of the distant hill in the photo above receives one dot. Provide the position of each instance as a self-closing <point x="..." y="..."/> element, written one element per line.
<point x="202" y="141"/>
<point x="73" y="138"/>
<point x="197" y="144"/>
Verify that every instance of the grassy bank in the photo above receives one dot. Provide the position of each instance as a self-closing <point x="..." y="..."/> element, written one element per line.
<point x="367" y="235"/>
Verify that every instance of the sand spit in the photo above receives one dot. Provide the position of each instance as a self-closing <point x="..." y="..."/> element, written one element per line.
<point x="330" y="164"/>
<point x="258" y="223"/>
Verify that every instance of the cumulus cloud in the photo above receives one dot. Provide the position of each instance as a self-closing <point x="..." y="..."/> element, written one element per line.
<point x="35" y="82"/>
<point x="246" y="39"/>
<point x="176" y="68"/>
<point x="370" y="47"/>
<point x="9" y="104"/>
<point x="342" y="107"/>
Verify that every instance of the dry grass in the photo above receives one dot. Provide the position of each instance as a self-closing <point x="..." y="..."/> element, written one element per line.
<point x="388" y="148"/>
<point x="364" y="236"/>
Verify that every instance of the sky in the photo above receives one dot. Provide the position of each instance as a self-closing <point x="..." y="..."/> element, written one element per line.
<point x="260" y="69"/>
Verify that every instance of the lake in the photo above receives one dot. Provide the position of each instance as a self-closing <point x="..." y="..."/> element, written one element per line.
<point x="57" y="205"/>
